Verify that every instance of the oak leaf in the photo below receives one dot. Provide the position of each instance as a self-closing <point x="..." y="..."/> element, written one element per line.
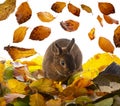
<point x="100" y="20"/>
<point x="19" y="34"/>
<point x="86" y="8"/>
<point x="91" y="34"/>
<point x="23" y="13"/>
<point x="116" y="37"/>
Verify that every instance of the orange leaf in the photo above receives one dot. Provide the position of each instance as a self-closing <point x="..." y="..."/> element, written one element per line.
<point x="100" y="20"/>
<point x="40" y="33"/>
<point x="91" y="34"/>
<point x="70" y="25"/>
<point x="58" y="6"/>
<point x="45" y="16"/>
<point x="73" y="9"/>
<point x="23" y="13"/>
<point x="86" y="8"/>
<point x="110" y="20"/>
<point x="106" y="8"/>
<point x="17" y="52"/>
<point x="106" y="45"/>
<point x="19" y="34"/>
<point x="116" y="37"/>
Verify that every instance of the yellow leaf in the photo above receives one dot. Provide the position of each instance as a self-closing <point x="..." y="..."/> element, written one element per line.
<point x="2" y="101"/>
<point x="2" y="67"/>
<point x="45" y="16"/>
<point x="19" y="34"/>
<point x="52" y="102"/>
<point x="37" y="100"/>
<point x="86" y="8"/>
<point x="91" y="34"/>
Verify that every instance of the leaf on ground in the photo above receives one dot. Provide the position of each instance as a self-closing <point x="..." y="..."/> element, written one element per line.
<point x="73" y="9"/>
<point x="58" y="6"/>
<point x="37" y="100"/>
<point x="40" y="33"/>
<point x="45" y="16"/>
<point x="86" y="8"/>
<point x="106" y="8"/>
<point x="6" y="8"/>
<point x="100" y="20"/>
<point x="19" y="34"/>
<point x="91" y="34"/>
<point x="69" y="25"/>
<point x="2" y="101"/>
<point x="54" y="102"/>
<point x="23" y="13"/>
<point x="17" y="52"/>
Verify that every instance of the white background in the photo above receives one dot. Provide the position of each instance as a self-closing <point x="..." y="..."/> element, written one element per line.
<point x="87" y="22"/>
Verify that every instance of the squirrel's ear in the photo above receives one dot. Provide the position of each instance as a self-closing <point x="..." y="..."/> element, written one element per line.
<point x="56" y="49"/>
<point x="70" y="45"/>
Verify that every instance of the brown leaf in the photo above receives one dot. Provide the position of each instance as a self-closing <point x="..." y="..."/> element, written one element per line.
<point x="100" y="20"/>
<point x="19" y="34"/>
<point x="17" y="52"/>
<point x="110" y="20"/>
<point x="73" y="9"/>
<point x="116" y="37"/>
<point x="40" y="33"/>
<point x="86" y="8"/>
<point x="106" y="45"/>
<point x="23" y="13"/>
<point x="106" y="8"/>
<point x="58" y="6"/>
<point x="6" y="8"/>
<point x="91" y="34"/>
<point x="70" y="25"/>
<point x="45" y="16"/>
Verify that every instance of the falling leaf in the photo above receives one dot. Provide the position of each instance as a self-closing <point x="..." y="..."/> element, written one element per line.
<point x="86" y="8"/>
<point x="116" y="37"/>
<point x="73" y="9"/>
<point x="6" y="8"/>
<point x="110" y="20"/>
<point x="100" y="20"/>
<point x="91" y="34"/>
<point x="69" y="25"/>
<point x="19" y="34"/>
<point x="45" y="16"/>
<point x="106" y="8"/>
<point x="40" y="33"/>
<point x="17" y="52"/>
<point x="106" y="45"/>
<point x="58" y="6"/>
<point x="23" y="13"/>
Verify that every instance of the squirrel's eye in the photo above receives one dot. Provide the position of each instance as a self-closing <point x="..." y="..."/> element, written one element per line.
<point x="62" y="62"/>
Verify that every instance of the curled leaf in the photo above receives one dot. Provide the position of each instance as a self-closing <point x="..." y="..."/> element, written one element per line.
<point x="116" y="37"/>
<point x="106" y="8"/>
<point x="69" y="25"/>
<point x="6" y="8"/>
<point x="73" y="9"/>
<point x="45" y="16"/>
<point x="23" y="13"/>
<point x="91" y="34"/>
<point x="86" y="8"/>
<point x="106" y="45"/>
<point x="40" y="33"/>
<point x="19" y="34"/>
<point x="17" y="52"/>
<point x="100" y="20"/>
<point x="58" y="6"/>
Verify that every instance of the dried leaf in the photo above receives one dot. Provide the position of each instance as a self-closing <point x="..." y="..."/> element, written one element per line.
<point x="69" y="25"/>
<point x="23" y="13"/>
<point x="45" y="16"/>
<point x="58" y="6"/>
<point x="86" y="8"/>
<point x="106" y="8"/>
<point x="40" y="33"/>
<point x="19" y="34"/>
<point x="73" y="9"/>
<point x="7" y="8"/>
<point x="106" y="45"/>
<point x="100" y="20"/>
<point x="91" y="34"/>
<point x="110" y="20"/>
<point x="17" y="52"/>
<point x="116" y="37"/>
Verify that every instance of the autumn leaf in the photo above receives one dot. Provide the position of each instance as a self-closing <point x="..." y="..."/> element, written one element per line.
<point x="6" y="8"/>
<point x="2" y="101"/>
<point x="100" y="20"/>
<point x="23" y="13"/>
<point x="91" y="34"/>
<point x="73" y="9"/>
<point x="2" y="68"/>
<point x="106" y="45"/>
<point x="40" y="33"/>
<point x="116" y="37"/>
<point x="54" y="102"/>
<point x="86" y="8"/>
<point x="106" y="8"/>
<point x="45" y="16"/>
<point x="58" y="6"/>
<point x="19" y="34"/>
<point x="17" y="52"/>
<point x="69" y="25"/>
